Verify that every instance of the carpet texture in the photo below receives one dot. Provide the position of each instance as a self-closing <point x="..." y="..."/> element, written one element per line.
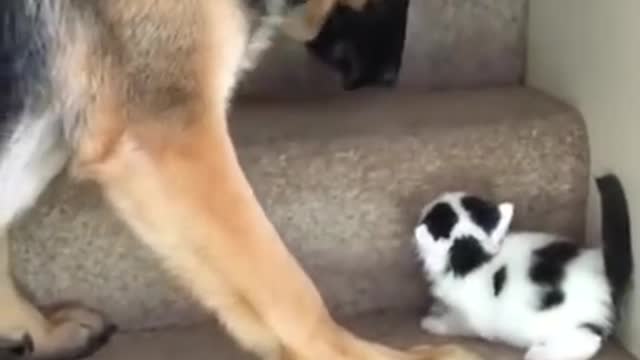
<point x="344" y="181"/>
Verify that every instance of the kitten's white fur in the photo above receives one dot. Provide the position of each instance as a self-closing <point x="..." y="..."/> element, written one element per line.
<point x="468" y="306"/>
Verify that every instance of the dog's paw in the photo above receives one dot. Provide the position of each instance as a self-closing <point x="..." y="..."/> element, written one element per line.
<point x="16" y="347"/>
<point x="68" y="333"/>
<point x="77" y="332"/>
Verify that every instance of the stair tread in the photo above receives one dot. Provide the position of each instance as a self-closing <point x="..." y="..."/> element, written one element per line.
<point x="374" y="112"/>
<point x="205" y="342"/>
<point x="343" y="180"/>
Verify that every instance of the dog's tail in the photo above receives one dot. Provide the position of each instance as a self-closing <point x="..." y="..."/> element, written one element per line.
<point x="616" y="234"/>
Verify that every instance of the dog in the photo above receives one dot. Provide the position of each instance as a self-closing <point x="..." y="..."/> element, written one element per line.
<point x="133" y="96"/>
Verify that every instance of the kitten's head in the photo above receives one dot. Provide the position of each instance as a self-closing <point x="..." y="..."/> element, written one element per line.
<point x="364" y="46"/>
<point x="458" y="232"/>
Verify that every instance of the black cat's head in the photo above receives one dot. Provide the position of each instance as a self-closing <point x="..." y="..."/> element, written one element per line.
<point x="364" y="46"/>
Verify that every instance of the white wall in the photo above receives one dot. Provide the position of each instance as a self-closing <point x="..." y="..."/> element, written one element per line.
<point x="587" y="52"/>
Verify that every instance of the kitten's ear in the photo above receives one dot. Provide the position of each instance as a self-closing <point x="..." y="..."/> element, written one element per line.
<point x="506" y="217"/>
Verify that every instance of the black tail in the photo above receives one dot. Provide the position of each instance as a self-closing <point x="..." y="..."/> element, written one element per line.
<point x="616" y="234"/>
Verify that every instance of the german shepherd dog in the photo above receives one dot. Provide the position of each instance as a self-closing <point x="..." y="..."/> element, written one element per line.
<point x="133" y="95"/>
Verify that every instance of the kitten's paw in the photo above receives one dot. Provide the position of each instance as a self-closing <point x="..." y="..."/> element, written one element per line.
<point x="541" y="351"/>
<point x="536" y="352"/>
<point x="435" y="325"/>
<point x="579" y="347"/>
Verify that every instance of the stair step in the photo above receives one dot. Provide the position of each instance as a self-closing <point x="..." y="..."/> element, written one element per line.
<point x="449" y="45"/>
<point x="343" y="179"/>
<point x="205" y="342"/>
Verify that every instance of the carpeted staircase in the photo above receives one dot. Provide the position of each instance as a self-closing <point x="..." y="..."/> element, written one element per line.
<point x="343" y="176"/>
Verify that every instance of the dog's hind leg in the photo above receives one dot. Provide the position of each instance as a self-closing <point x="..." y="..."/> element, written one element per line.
<point x="31" y="156"/>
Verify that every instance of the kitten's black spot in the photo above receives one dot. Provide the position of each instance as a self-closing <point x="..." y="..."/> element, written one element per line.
<point x="440" y="220"/>
<point x="549" y="262"/>
<point x="551" y="298"/>
<point x="499" y="278"/>
<point x="548" y="269"/>
<point x="483" y="213"/>
<point x="596" y="329"/>
<point x="466" y="255"/>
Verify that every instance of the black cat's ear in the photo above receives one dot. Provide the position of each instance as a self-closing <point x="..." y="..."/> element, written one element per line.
<point x="484" y="213"/>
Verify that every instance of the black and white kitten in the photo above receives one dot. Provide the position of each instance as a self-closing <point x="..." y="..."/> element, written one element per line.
<point x="531" y="290"/>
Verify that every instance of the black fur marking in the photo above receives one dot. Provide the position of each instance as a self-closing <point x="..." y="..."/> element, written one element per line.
<point x="596" y="329"/>
<point x="499" y="279"/>
<point x="440" y="220"/>
<point x="549" y="262"/>
<point x="483" y="213"/>
<point x="548" y="270"/>
<point x="466" y="255"/>
<point x="365" y="47"/>
<point x="551" y="298"/>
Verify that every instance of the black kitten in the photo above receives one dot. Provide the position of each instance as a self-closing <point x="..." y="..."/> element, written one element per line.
<point x="365" y="46"/>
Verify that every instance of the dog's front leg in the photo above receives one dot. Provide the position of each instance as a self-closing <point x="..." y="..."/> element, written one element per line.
<point x="185" y="195"/>
<point x="182" y="190"/>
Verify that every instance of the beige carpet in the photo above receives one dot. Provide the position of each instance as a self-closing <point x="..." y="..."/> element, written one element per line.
<point x="343" y="179"/>
<point x="207" y="343"/>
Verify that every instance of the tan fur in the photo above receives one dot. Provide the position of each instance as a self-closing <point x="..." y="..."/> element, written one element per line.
<point x="172" y="173"/>
<point x="151" y="81"/>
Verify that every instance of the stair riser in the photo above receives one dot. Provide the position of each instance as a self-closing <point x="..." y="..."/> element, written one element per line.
<point x="449" y="45"/>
